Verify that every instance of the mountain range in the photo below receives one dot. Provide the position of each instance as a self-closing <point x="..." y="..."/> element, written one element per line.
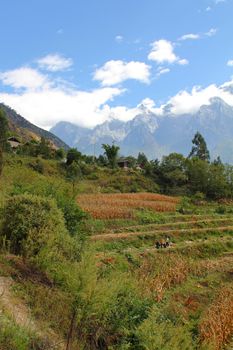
<point x="28" y="131"/>
<point x="157" y="135"/>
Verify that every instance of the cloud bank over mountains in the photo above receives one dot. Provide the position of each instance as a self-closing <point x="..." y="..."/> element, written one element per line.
<point x="46" y="101"/>
<point x="41" y="92"/>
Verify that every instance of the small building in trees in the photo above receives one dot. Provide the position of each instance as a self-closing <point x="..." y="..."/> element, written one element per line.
<point x="14" y="142"/>
<point x="123" y="163"/>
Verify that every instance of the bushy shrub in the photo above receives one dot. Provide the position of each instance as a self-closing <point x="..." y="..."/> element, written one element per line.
<point x="155" y="334"/>
<point x="38" y="166"/>
<point x="110" y="313"/>
<point x="73" y="214"/>
<point x="185" y="206"/>
<point x="221" y="209"/>
<point x="31" y="218"/>
<point x="15" y="337"/>
<point x="198" y="198"/>
<point x="146" y="216"/>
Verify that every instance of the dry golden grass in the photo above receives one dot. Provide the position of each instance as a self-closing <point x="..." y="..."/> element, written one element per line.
<point x="172" y="271"/>
<point x="216" y="327"/>
<point x="122" y="205"/>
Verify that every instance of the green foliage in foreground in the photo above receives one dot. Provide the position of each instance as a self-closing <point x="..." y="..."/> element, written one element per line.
<point x="26" y="214"/>
<point x="73" y="215"/>
<point x="156" y="333"/>
<point x="34" y="227"/>
<point x="13" y="337"/>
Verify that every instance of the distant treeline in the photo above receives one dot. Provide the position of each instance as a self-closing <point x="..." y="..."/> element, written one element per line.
<point x="174" y="174"/>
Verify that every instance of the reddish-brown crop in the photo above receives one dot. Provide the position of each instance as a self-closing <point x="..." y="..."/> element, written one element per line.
<point x="111" y="206"/>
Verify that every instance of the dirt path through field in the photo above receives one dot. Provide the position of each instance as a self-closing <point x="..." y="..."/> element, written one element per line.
<point x="166" y="225"/>
<point x="15" y="308"/>
<point x="116" y="236"/>
<point x="20" y="313"/>
<point x="228" y="256"/>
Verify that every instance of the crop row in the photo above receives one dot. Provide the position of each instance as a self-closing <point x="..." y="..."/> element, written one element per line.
<point x="103" y="211"/>
<point x="114" y="206"/>
<point x="109" y="197"/>
<point x="129" y="235"/>
<point x="176" y="224"/>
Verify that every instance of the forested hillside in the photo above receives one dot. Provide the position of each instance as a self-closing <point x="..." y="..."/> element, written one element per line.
<point x="27" y="131"/>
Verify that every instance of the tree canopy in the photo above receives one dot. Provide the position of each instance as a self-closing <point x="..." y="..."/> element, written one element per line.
<point x="199" y="149"/>
<point x="111" y="153"/>
<point x="73" y="155"/>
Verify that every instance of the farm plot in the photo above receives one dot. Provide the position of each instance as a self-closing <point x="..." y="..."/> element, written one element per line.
<point x="176" y="229"/>
<point x="189" y="281"/>
<point x="122" y="206"/>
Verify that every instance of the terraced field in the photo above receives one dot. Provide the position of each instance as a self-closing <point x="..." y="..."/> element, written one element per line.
<point x="190" y="282"/>
<point x="200" y="224"/>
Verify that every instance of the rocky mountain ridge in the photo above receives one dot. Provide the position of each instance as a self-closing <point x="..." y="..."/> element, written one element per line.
<point x="28" y="131"/>
<point x="157" y="135"/>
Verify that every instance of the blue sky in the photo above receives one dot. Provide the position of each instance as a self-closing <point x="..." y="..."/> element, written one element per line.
<point x="86" y="61"/>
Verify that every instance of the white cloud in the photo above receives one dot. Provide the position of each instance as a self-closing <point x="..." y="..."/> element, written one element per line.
<point x="182" y="103"/>
<point x="115" y="72"/>
<point x="125" y="114"/>
<point x="148" y="102"/>
<point x="162" y="70"/>
<point x="163" y="52"/>
<point x="190" y="102"/>
<point x="54" y="63"/>
<point x="183" y="62"/>
<point x="230" y="63"/>
<point x="45" y="102"/>
<point x="46" y="108"/>
<point x="208" y="9"/>
<point x="189" y="37"/>
<point x="24" y="77"/>
<point x="192" y="36"/>
<point x="49" y="106"/>
<point x="119" y="38"/>
<point x="211" y="32"/>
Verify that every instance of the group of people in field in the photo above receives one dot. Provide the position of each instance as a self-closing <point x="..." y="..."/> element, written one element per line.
<point x="163" y="243"/>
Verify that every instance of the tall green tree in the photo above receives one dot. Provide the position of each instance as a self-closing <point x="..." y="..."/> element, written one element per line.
<point x="44" y="148"/>
<point x="199" y="149"/>
<point x="217" y="185"/>
<point x="173" y="172"/>
<point x="198" y="175"/>
<point x="74" y="173"/>
<point x="73" y="155"/>
<point x="3" y="136"/>
<point x="142" y="159"/>
<point x="111" y="153"/>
